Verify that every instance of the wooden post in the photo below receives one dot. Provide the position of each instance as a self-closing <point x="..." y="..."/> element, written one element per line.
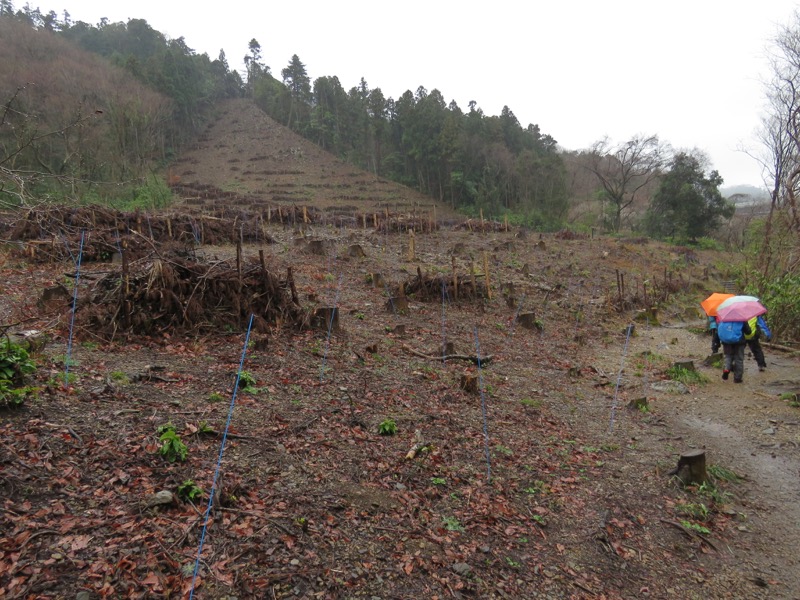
<point x="169" y="228"/>
<point x="472" y="276"/>
<point x="486" y="272"/>
<point x="126" y="286"/>
<point x="305" y="215"/>
<point x="269" y="214"/>
<point x="239" y="263"/>
<point x="375" y="220"/>
<point x="506" y="222"/>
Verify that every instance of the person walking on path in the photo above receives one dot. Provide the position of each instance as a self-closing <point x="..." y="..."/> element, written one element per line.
<point x="758" y="327"/>
<point x="732" y="335"/>
<point x="712" y="326"/>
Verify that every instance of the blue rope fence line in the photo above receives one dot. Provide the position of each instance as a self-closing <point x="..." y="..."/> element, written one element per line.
<point x="219" y="458"/>
<point x="330" y="329"/>
<point x="483" y="410"/>
<point x="619" y="378"/>
<point x="74" y="307"/>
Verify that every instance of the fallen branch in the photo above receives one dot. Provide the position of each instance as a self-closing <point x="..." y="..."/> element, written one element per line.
<point x="482" y="360"/>
<point x="691" y="534"/>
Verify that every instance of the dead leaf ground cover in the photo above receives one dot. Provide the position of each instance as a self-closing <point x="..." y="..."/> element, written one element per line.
<point x="542" y="498"/>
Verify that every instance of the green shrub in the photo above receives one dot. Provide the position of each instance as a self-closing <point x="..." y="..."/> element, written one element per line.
<point x="387" y="427"/>
<point x="172" y="447"/>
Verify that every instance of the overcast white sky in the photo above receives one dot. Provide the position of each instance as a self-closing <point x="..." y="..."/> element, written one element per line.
<point x="690" y="71"/>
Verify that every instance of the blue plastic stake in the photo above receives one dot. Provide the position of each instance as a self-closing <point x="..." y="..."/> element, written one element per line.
<point x="219" y="458"/>
<point x="483" y="410"/>
<point x="330" y="329"/>
<point x="619" y="377"/>
<point x="74" y="305"/>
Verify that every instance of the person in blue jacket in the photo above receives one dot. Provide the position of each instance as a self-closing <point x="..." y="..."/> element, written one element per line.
<point x="758" y="327"/>
<point x="732" y="335"/>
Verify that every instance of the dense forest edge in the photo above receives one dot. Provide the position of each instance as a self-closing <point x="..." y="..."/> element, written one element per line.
<point x="97" y="113"/>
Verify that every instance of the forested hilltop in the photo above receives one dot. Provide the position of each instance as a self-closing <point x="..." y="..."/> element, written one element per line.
<point x="141" y="97"/>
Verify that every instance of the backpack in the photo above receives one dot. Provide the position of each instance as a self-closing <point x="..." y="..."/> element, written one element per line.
<point x="730" y="332"/>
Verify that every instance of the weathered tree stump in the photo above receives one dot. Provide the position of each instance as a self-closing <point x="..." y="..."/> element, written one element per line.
<point x="540" y="245"/>
<point x="356" y="251"/>
<point x="526" y="270"/>
<point x="318" y="247"/>
<point x="640" y="404"/>
<point x="714" y="360"/>
<point x="686" y="364"/>
<point x="691" y="467"/>
<point x="56" y="295"/>
<point x="399" y="330"/>
<point x="469" y="383"/>
<point x="377" y="280"/>
<point x="398" y="304"/>
<point x="325" y="317"/>
<point x="529" y="321"/>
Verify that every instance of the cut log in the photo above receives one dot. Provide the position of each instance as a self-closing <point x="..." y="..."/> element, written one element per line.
<point x="691" y="467"/>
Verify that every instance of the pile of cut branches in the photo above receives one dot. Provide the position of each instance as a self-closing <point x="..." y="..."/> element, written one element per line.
<point x="53" y="233"/>
<point x="432" y="289"/>
<point x="163" y="295"/>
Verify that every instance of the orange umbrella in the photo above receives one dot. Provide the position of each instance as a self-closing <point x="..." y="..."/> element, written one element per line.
<point x="711" y="303"/>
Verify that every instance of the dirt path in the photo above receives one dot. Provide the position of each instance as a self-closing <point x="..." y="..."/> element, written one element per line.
<point x="746" y="428"/>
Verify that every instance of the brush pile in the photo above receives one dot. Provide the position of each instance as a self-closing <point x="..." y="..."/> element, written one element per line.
<point x="178" y="295"/>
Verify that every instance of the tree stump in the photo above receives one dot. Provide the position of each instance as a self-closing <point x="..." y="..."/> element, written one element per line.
<point x="57" y="295"/>
<point x="714" y="360"/>
<point x="469" y="383"/>
<point x="318" y="247"/>
<point x="398" y="304"/>
<point x="325" y="317"/>
<point x="356" y="251"/>
<point x="692" y="467"/>
<point x="378" y="280"/>
<point x="640" y="404"/>
<point x="529" y="321"/>
<point x="399" y="330"/>
<point x="686" y="364"/>
<point x="447" y="349"/>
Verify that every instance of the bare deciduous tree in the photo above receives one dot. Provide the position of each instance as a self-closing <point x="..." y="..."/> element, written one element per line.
<point x="626" y="169"/>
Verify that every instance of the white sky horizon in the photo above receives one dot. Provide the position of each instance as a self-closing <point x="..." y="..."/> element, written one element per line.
<point x="689" y="72"/>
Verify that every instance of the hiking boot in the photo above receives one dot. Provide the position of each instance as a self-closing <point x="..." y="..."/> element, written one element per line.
<point x="762" y="367"/>
<point x="737" y="380"/>
<point x="725" y="374"/>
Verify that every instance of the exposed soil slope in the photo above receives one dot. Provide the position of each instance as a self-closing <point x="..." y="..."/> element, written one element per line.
<point x="256" y="161"/>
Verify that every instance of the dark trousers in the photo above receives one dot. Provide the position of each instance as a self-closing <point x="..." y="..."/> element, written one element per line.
<point x="758" y="353"/>
<point x="734" y="359"/>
